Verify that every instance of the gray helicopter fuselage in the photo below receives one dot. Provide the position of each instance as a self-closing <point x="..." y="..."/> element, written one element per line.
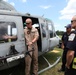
<point x="12" y="24"/>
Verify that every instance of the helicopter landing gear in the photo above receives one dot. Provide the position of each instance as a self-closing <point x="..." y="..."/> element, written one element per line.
<point x="49" y="65"/>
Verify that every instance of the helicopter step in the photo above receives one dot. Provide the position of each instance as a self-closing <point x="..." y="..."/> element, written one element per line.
<point x="49" y="65"/>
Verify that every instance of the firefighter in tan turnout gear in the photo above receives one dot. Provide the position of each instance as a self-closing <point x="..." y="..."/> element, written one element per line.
<point x="31" y="36"/>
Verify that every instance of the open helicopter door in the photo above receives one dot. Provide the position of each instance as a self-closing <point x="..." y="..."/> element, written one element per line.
<point x="53" y="39"/>
<point x="44" y="35"/>
<point x="50" y="41"/>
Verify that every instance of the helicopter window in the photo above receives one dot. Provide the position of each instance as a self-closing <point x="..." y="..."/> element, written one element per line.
<point x="50" y="30"/>
<point x="36" y="25"/>
<point x="8" y="32"/>
<point x="43" y="30"/>
<point x="54" y="34"/>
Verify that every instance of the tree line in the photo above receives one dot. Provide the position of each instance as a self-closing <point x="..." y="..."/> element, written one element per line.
<point x="59" y="32"/>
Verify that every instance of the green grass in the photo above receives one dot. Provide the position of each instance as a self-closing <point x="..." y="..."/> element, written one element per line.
<point x="60" y="36"/>
<point x="51" y="56"/>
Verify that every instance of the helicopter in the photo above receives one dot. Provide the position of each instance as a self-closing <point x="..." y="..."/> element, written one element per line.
<point x="12" y="23"/>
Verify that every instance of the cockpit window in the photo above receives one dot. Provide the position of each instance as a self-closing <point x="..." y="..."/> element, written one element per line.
<point x="8" y="32"/>
<point x="43" y="30"/>
<point x="50" y="30"/>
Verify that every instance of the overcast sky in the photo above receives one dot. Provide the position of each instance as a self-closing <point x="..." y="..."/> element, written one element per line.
<point x="59" y="11"/>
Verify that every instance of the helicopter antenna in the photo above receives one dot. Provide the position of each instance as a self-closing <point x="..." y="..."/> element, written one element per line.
<point x="43" y="15"/>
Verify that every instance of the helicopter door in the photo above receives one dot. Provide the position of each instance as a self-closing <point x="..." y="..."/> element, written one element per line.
<point x="53" y="40"/>
<point x="11" y="33"/>
<point x="44" y="33"/>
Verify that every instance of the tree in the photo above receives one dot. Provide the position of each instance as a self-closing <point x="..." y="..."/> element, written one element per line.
<point x="59" y="32"/>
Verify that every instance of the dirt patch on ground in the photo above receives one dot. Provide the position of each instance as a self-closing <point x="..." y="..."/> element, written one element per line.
<point x="55" y="51"/>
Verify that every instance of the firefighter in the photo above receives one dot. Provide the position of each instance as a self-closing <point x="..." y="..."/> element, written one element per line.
<point x="64" y="43"/>
<point x="31" y="37"/>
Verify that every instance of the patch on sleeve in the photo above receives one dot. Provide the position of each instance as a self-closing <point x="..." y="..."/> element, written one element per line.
<point x="71" y="37"/>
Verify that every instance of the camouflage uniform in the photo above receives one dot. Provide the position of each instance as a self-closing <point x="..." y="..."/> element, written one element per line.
<point x="30" y="35"/>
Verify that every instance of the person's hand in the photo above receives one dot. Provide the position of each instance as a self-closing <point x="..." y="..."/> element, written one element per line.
<point x="5" y="36"/>
<point x="67" y="66"/>
<point x="30" y="43"/>
<point x="62" y="47"/>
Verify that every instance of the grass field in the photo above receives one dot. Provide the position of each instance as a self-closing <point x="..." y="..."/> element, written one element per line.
<point x="51" y="56"/>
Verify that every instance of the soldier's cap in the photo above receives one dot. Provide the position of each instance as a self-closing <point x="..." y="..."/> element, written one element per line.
<point x="68" y="26"/>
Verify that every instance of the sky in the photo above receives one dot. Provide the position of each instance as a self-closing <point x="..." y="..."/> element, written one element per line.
<point x="59" y="11"/>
